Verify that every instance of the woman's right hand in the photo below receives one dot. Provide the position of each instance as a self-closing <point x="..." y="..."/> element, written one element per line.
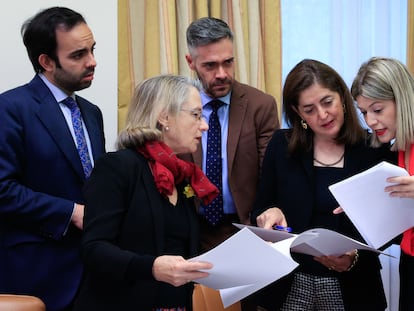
<point x="403" y="187"/>
<point x="270" y="217"/>
<point x="177" y="271"/>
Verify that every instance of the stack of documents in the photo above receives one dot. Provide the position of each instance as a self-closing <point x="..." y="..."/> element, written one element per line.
<point x="255" y="257"/>
<point x="378" y="217"/>
<point x="243" y="264"/>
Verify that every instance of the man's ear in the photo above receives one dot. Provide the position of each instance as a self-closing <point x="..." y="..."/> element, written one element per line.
<point x="46" y="62"/>
<point x="189" y="60"/>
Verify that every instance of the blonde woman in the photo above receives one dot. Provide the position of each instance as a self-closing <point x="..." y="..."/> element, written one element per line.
<point x="140" y="219"/>
<point x="384" y="91"/>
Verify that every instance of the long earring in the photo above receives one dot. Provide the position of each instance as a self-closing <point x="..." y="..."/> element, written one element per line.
<point x="304" y="124"/>
<point x="343" y="106"/>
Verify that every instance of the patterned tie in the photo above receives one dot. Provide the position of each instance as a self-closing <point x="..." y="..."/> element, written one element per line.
<point x="214" y="211"/>
<point x="79" y="135"/>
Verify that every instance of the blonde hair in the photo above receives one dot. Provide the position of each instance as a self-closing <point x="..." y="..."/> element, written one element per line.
<point x="153" y="96"/>
<point x="388" y="79"/>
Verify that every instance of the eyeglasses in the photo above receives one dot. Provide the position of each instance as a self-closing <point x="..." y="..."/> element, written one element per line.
<point x="196" y="113"/>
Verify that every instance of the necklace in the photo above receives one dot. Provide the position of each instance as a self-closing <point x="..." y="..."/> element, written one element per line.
<point x="330" y="164"/>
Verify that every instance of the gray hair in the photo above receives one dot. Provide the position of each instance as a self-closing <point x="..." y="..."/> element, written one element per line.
<point x="207" y="30"/>
<point x="153" y="96"/>
<point x="388" y="79"/>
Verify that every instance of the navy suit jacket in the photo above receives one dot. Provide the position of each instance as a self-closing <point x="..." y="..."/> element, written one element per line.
<point x="41" y="178"/>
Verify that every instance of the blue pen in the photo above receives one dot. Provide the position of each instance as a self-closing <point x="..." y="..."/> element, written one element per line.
<point x="282" y="228"/>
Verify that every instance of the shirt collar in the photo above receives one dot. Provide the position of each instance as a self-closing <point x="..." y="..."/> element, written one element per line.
<point x="205" y="99"/>
<point x="57" y="93"/>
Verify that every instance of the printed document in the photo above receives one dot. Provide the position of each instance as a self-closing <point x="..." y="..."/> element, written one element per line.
<point x="378" y="217"/>
<point x="255" y="257"/>
<point x="243" y="264"/>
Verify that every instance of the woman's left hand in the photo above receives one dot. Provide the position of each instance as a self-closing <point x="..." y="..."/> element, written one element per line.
<point x="337" y="263"/>
<point x="403" y="188"/>
<point x="177" y="271"/>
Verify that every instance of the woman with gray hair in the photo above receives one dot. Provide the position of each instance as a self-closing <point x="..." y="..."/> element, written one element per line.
<point x="384" y="91"/>
<point x="140" y="220"/>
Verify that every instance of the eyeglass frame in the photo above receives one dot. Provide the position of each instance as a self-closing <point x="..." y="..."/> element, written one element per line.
<point x="197" y="114"/>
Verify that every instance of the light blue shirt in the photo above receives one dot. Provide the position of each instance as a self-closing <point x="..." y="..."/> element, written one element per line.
<point x="223" y="115"/>
<point x="60" y="96"/>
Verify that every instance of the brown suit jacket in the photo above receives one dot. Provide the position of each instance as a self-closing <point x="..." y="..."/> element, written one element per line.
<point x="253" y="118"/>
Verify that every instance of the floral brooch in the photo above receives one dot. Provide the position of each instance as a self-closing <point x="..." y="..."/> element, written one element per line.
<point x="188" y="191"/>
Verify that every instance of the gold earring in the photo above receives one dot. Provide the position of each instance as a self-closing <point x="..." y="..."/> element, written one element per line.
<point x="304" y="124"/>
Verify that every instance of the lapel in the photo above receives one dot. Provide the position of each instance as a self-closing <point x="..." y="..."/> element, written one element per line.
<point x="355" y="157"/>
<point x="52" y="118"/>
<point x="238" y="109"/>
<point x="155" y="205"/>
<point x="307" y="164"/>
<point x="93" y="127"/>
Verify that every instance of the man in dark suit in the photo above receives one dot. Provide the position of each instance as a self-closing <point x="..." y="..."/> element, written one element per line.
<point x="41" y="171"/>
<point x="248" y="118"/>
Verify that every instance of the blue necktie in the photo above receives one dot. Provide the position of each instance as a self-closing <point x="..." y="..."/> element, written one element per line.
<point x="214" y="211"/>
<point x="79" y="135"/>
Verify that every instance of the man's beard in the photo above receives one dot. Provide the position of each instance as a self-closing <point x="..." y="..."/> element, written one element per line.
<point x="209" y="88"/>
<point x="70" y="82"/>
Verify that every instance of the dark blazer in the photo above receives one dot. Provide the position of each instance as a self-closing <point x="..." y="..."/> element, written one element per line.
<point x="288" y="182"/>
<point x="41" y="178"/>
<point x="253" y="117"/>
<point x="123" y="234"/>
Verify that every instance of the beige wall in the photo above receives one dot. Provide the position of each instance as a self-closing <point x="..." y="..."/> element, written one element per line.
<point x="101" y="16"/>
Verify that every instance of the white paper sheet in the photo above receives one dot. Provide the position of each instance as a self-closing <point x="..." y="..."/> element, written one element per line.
<point x="266" y="234"/>
<point x="247" y="262"/>
<point x="243" y="264"/>
<point x="314" y="242"/>
<point x="378" y="217"/>
<point x="324" y="242"/>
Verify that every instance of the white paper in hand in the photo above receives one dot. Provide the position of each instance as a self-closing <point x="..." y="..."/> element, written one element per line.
<point x="378" y="217"/>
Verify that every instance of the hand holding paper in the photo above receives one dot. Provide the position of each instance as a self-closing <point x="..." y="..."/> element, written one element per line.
<point x="402" y="186"/>
<point x="314" y="242"/>
<point x="243" y="264"/>
<point x="246" y="262"/>
<point x="377" y="216"/>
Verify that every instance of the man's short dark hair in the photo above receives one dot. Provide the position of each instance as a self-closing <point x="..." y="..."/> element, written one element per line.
<point x="39" y="32"/>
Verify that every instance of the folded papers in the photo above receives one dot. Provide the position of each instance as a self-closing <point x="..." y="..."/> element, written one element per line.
<point x="255" y="257"/>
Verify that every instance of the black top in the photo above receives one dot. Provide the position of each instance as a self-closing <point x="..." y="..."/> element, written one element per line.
<point x="322" y="216"/>
<point x="127" y="224"/>
<point x="177" y="237"/>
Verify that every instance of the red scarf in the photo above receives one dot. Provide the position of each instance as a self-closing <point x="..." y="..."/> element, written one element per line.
<point x="168" y="170"/>
<point x="407" y="242"/>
